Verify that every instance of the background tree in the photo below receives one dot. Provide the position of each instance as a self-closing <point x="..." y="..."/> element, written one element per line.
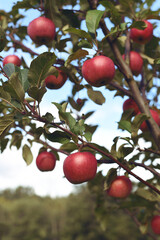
<point x="23" y="88"/>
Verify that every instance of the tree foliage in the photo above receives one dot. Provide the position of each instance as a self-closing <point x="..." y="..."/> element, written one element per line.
<point x="83" y="28"/>
<point x="25" y="215"/>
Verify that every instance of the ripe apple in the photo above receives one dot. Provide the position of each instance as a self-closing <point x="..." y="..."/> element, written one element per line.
<point x="41" y="30"/>
<point x="46" y="161"/>
<point x="12" y="59"/>
<point x="130" y="104"/>
<point x="98" y="71"/>
<point x="156" y="117"/>
<point x="155" y="224"/>
<point x="80" y="167"/>
<point x="53" y="82"/>
<point x="142" y="36"/>
<point x="120" y="187"/>
<point x="135" y="62"/>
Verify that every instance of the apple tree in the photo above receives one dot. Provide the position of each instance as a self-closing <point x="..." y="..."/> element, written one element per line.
<point x="104" y="44"/>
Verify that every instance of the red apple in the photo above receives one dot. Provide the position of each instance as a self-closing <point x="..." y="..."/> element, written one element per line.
<point x="41" y="30"/>
<point x="135" y="62"/>
<point x="156" y="118"/>
<point x="53" y="82"/>
<point x="79" y="101"/>
<point x="98" y="71"/>
<point x="142" y="36"/>
<point x="46" y="161"/>
<point x="12" y="59"/>
<point x="155" y="224"/>
<point x="80" y="167"/>
<point x="130" y="104"/>
<point x="120" y="187"/>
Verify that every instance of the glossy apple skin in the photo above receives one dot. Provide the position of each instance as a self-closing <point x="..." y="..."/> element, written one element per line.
<point x="120" y="187"/>
<point x="41" y="30"/>
<point x="142" y="36"/>
<point x="12" y="59"/>
<point x="98" y="71"/>
<point x="53" y="82"/>
<point x="135" y="62"/>
<point x="156" y="118"/>
<point x="80" y="167"/>
<point x="155" y="224"/>
<point x="46" y="161"/>
<point x="130" y="104"/>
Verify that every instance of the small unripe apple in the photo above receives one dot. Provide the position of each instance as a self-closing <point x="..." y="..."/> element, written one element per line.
<point x="46" y="161"/>
<point x="98" y="71"/>
<point x="41" y="30"/>
<point x="79" y="101"/>
<point x="135" y="62"/>
<point x="120" y="187"/>
<point x="53" y="82"/>
<point x="130" y="104"/>
<point x="80" y="167"/>
<point x="155" y="224"/>
<point x="156" y="117"/>
<point x="142" y="36"/>
<point x="12" y="59"/>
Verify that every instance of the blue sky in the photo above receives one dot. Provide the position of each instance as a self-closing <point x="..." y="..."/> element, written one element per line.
<point x="13" y="170"/>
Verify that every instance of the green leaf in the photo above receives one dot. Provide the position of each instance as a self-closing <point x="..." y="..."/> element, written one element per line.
<point x="4" y="95"/>
<point x="23" y="76"/>
<point x="157" y="61"/>
<point x="14" y="87"/>
<point x="9" y="68"/>
<point x="27" y="154"/>
<point x="139" y="25"/>
<point x="3" y="144"/>
<point x="149" y="59"/>
<point x="80" y="53"/>
<point x="5" y="122"/>
<point x="96" y="96"/>
<point x="125" y="125"/>
<point x="93" y="18"/>
<point x="69" y="147"/>
<point x="124" y="151"/>
<point x="37" y="93"/>
<point x="111" y="175"/>
<point x="58" y="136"/>
<point x="151" y="196"/>
<point x="115" y="16"/>
<point x="88" y="136"/>
<point x="39" y="68"/>
<point x="3" y="39"/>
<point x="67" y="117"/>
<point x="81" y="33"/>
<point x="138" y="120"/>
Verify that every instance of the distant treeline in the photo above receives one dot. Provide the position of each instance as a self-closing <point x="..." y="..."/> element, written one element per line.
<point x="26" y="216"/>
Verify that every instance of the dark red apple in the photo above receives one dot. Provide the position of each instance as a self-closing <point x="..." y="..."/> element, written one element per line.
<point x="156" y="118"/>
<point x="120" y="187"/>
<point x="130" y="104"/>
<point x="41" y="30"/>
<point x="155" y="224"/>
<point x="135" y="62"/>
<point x="98" y="71"/>
<point x="79" y="101"/>
<point x="12" y="59"/>
<point x="46" y="161"/>
<point x="142" y="36"/>
<point x="53" y="82"/>
<point x="80" y="167"/>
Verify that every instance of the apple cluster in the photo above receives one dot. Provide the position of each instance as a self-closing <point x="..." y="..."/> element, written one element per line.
<point x="42" y="31"/>
<point x="78" y="167"/>
<point x="131" y="104"/>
